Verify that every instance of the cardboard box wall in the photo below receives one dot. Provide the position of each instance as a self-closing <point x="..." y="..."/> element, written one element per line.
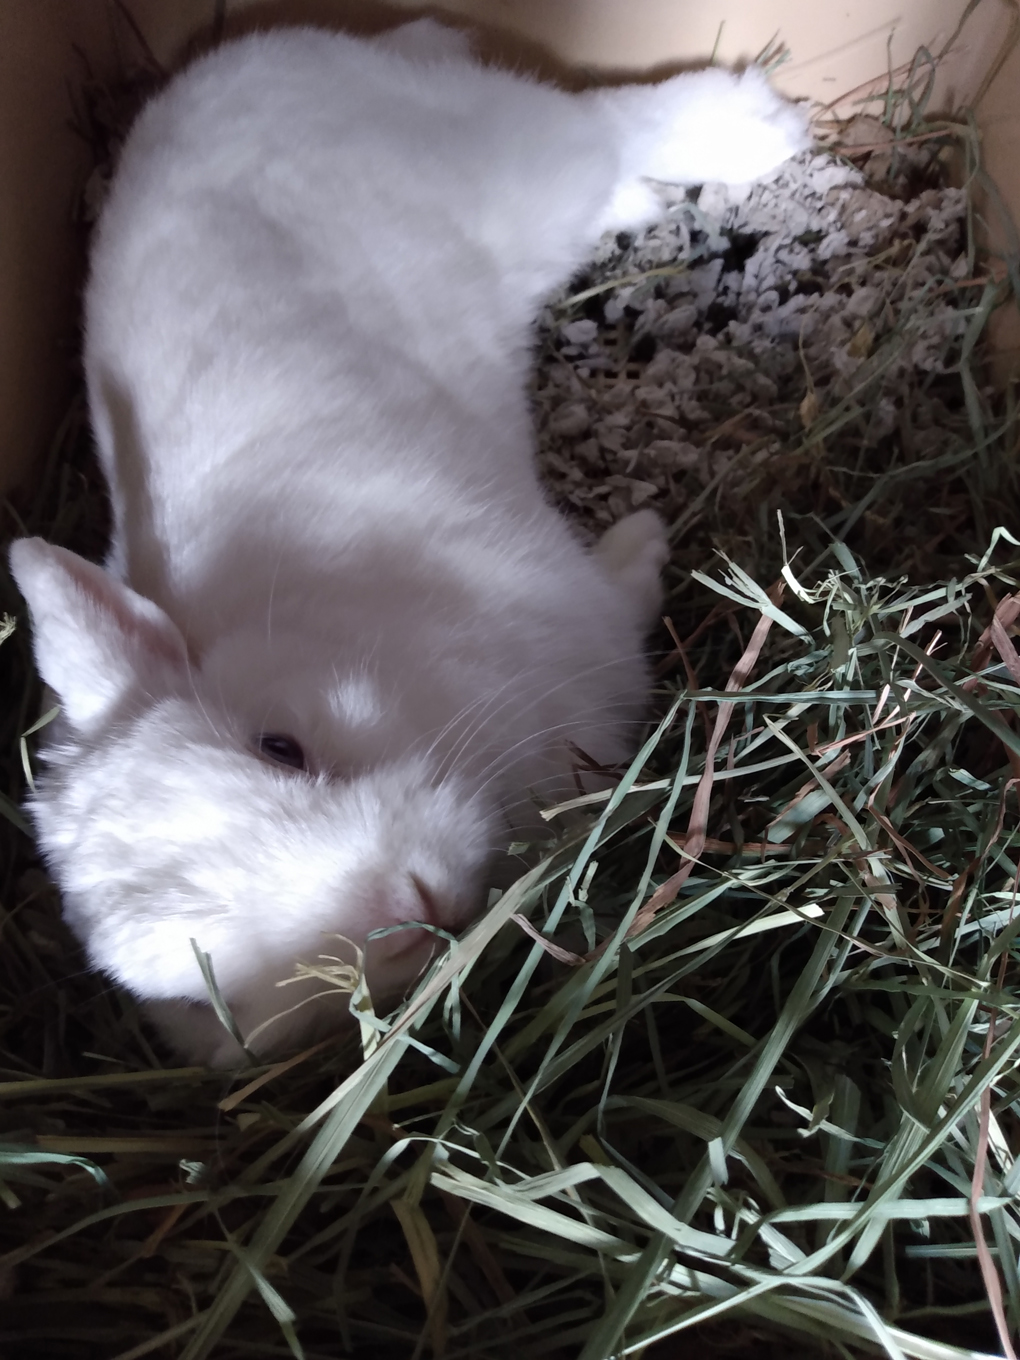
<point x="49" y="47"/>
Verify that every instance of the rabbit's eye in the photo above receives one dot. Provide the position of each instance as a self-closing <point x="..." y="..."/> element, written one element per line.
<point x="284" y="750"/>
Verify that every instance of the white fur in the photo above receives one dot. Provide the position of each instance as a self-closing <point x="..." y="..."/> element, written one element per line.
<point x="307" y="340"/>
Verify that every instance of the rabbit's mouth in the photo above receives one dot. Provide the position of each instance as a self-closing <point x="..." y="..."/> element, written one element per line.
<point x="421" y="906"/>
<point x="432" y="914"/>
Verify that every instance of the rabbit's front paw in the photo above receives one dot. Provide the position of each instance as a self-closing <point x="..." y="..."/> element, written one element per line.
<point x="634" y="551"/>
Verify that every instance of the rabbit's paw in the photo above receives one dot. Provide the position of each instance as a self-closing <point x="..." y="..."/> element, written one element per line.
<point x="426" y="40"/>
<point x="716" y="125"/>
<point x="634" y="551"/>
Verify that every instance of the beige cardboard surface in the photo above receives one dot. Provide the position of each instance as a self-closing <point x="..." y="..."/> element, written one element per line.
<point x="835" y="47"/>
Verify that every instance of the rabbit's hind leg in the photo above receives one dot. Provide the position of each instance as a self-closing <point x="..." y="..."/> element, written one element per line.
<point x="697" y="127"/>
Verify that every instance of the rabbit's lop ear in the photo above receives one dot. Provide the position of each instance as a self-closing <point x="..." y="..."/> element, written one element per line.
<point x="96" y="642"/>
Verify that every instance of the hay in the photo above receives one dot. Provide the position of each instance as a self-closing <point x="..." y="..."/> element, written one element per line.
<point x="735" y="1065"/>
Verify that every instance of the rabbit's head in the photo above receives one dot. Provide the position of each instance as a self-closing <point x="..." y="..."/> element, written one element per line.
<point x="259" y="800"/>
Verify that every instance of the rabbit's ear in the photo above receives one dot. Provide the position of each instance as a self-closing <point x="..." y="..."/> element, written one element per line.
<point x="96" y="642"/>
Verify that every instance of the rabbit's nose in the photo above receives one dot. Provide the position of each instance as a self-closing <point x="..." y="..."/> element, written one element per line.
<point x="426" y="903"/>
<point x="417" y="905"/>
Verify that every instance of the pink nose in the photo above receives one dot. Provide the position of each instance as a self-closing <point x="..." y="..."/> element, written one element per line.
<point x="426" y="903"/>
<point x="418" y="905"/>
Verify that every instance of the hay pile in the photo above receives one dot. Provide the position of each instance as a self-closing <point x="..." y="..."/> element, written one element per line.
<point x="740" y="1054"/>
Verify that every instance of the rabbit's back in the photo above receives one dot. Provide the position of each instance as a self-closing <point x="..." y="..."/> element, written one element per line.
<point x="304" y="265"/>
<point x="341" y="642"/>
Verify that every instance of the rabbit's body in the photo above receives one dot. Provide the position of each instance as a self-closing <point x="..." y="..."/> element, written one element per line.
<point x="307" y="343"/>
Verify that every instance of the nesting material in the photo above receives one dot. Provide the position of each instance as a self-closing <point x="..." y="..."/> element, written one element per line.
<point x="782" y="347"/>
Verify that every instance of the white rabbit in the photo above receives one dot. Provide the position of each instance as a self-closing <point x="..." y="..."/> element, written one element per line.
<point x="341" y="636"/>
